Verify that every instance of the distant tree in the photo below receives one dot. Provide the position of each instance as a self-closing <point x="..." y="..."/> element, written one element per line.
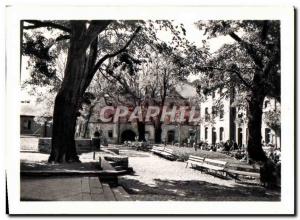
<point x="250" y="67"/>
<point x="149" y="79"/>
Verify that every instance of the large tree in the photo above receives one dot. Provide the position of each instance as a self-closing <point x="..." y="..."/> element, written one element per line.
<point x="250" y="65"/>
<point x="84" y="58"/>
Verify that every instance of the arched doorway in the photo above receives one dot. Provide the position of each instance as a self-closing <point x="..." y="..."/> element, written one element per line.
<point x="240" y="136"/>
<point x="127" y="135"/>
<point x="213" y="136"/>
<point x="170" y="136"/>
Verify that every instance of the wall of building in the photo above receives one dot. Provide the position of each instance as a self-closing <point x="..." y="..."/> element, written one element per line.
<point x="29" y="127"/>
<point x="239" y="128"/>
<point x="217" y="122"/>
<point x="180" y="132"/>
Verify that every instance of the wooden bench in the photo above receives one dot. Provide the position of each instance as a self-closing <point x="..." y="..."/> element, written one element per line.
<point x="168" y="153"/>
<point x="156" y="150"/>
<point x="194" y="161"/>
<point x="246" y="170"/>
<point x="217" y="166"/>
<point x="164" y="152"/>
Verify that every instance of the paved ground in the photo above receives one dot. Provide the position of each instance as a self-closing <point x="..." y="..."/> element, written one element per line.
<point x="156" y="178"/>
<point x="67" y="185"/>
<point x="62" y="188"/>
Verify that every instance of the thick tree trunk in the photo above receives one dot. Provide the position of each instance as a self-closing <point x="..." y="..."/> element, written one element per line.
<point x="64" y="121"/>
<point x="67" y="103"/>
<point x="255" y="150"/>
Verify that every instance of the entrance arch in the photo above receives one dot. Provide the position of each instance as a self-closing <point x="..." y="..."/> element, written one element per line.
<point x="127" y="135"/>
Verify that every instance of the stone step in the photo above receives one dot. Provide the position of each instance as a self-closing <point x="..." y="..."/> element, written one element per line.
<point x="108" y="193"/>
<point x="121" y="194"/>
<point x="96" y="189"/>
<point x="85" y="189"/>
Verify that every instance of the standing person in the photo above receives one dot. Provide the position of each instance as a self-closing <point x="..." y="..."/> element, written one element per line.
<point x="96" y="142"/>
<point x="97" y="133"/>
<point x="195" y="146"/>
<point x="234" y="145"/>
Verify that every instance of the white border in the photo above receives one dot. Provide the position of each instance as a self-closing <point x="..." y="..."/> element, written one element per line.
<point x="15" y="13"/>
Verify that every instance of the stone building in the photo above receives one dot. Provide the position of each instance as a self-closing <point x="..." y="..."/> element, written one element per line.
<point x="28" y="124"/>
<point x="172" y="132"/>
<point x="226" y="122"/>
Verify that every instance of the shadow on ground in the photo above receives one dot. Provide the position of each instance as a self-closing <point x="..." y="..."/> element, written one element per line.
<point x="64" y="167"/>
<point x="193" y="190"/>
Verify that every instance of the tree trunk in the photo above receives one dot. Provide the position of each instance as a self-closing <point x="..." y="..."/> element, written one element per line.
<point x="64" y="121"/>
<point x="67" y="103"/>
<point x="141" y="130"/>
<point x="157" y="132"/>
<point x="255" y="150"/>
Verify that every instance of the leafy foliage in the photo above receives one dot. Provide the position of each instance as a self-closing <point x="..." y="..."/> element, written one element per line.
<point x="272" y="119"/>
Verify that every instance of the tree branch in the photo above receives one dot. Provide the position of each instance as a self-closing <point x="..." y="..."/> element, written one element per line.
<point x="63" y="37"/>
<point x="95" y="28"/>
<point x="247" y="84"/>
<point x="105" y="57"/>
<point x="39" y="24"/>
<point x="251" y="51"/>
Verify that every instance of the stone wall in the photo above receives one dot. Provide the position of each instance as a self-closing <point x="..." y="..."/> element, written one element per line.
<point x="82" y="145"/>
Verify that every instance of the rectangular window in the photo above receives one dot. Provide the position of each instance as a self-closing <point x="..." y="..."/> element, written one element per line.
<point x="27" y="124"/>
<point x="222" y="113"/>
<point x="110" y="133"/>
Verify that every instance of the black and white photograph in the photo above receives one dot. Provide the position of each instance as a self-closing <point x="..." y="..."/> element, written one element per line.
<point x="152" y="108"/>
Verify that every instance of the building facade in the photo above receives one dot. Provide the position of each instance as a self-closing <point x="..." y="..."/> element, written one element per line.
<point x="118" y="132"/>
<point x="227" y="122"/>
<point x="28" y="124"/>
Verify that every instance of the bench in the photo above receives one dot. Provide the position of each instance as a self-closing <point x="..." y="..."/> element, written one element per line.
<point x="168" y="153"/>
<point x="217" y="166"/>
<point x="246" y="170"/>
<point x="194" y="161"/>
<point x="164" y="152"/>
<point x="156" y="149"/>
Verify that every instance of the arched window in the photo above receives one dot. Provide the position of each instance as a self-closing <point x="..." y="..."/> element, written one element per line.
<point x="222" y="112"/>
<point x="206" y="114"/>
<point x="213" y="135"/>
<point x="267" y="103"/>
<point x="221" y="133"/>
<point x="267" y="135"/>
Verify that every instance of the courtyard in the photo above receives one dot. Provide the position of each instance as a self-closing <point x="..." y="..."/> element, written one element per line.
<point x="158" y="179"/>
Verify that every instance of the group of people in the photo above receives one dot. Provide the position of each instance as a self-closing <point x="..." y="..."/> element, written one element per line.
<point x="228" y="146"/>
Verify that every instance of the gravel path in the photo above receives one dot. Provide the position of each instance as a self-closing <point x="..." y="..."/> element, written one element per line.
<point x="156" y="178"/>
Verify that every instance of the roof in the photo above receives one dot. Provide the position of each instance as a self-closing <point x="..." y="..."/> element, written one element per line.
<point x="32" y="109"/>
